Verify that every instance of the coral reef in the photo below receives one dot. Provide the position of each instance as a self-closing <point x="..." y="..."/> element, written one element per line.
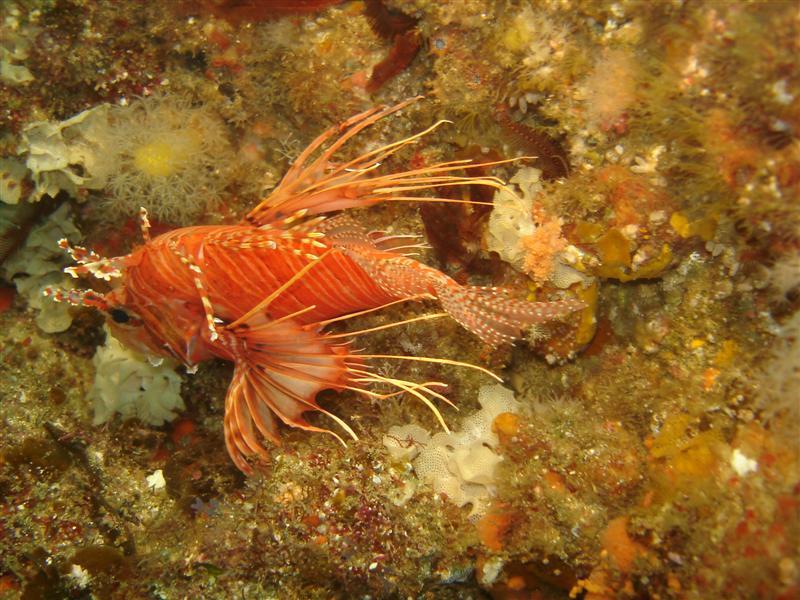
<point x="650" y="450"/>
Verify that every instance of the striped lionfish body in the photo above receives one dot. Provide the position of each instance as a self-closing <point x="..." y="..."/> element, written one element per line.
<point x="260" y="293"/>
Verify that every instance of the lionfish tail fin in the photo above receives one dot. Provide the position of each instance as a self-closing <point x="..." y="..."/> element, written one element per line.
<point x="491" y="313"/>
<point x="494" y="316"/>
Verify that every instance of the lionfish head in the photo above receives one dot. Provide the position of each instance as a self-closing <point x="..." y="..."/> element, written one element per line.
<point x="125" y="324"/>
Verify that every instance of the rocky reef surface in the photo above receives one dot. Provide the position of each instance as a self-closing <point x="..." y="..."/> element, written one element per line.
<point x="646" y="447"/>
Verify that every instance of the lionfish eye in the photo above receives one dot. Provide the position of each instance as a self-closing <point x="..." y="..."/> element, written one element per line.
<point x="119" y="315"/>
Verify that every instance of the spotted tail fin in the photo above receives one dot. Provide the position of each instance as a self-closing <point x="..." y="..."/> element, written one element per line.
<point x="495" y="317"/>
<point x="491" y="313"/>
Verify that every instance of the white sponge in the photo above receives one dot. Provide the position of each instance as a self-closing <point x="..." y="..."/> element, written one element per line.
<point x="511" y="219"/>
<point x="404" y="442"/>
<point x="37" y="265"/>
<point x="475" y="464"/>
<point x="432" y="464"/>
<point x="461" y="465"/>
<point x="495" y="399"/>
<point x="126" y="383"/>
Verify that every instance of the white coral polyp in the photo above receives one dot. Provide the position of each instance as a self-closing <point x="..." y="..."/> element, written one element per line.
<point x="165" y="155"/>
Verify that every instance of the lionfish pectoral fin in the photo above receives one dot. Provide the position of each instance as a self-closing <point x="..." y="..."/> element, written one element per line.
<point x="245" y="415"/>
<point x="279" y="372"/>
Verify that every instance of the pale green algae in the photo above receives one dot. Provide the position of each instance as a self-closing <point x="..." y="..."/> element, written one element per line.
<point x="677" y="421"/>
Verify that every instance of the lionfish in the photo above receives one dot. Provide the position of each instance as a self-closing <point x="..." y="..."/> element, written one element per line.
<point x="261" y="293"/>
